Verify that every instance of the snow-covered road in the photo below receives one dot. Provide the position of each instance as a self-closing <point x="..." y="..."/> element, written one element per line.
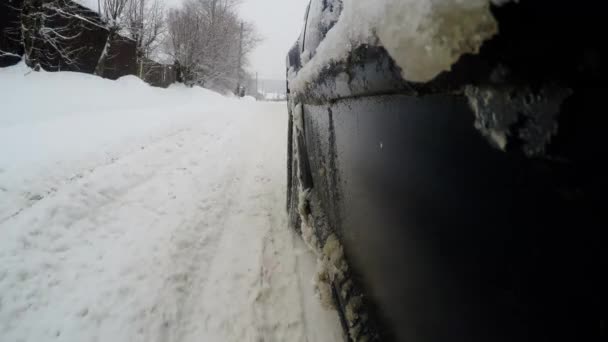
<point x="158" y="222"/>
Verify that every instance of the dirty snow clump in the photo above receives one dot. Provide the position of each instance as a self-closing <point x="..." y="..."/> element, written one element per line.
<point x="424" y="37"/>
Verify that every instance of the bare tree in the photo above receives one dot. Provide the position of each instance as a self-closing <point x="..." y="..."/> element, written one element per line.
<point x="112" y="12"/>
<point x="49" y="28"/>
<point x="8" y="54"/>
<point x="184" y="41"/>
<point x="10" y="31"/>
<point x="145" y="24"/>
<point x="208" y="39"/>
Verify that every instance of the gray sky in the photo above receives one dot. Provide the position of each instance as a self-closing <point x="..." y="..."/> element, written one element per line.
<point x="279" y="22"/>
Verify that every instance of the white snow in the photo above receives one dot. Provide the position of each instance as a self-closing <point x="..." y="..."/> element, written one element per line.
<point x="424" y="37"/>
<point x="271" y="96"/>
<point x="90" y="4"/>
<point x="132" y="213"/>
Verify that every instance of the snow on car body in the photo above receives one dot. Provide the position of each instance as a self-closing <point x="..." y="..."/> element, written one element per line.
<point x="440" y="155"/>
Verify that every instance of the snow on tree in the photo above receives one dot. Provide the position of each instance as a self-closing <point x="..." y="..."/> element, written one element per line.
<point x="113" y="14"/>
<point x="50" y="29"/>
<point x="210" y="43"/>
<point x="145" y="24"/>
<point x="10" y="32"/>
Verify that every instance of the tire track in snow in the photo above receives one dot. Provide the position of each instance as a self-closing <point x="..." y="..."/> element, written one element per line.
<point x="33" y="199"/>
<point x="213" y="216"/>
<point x="82" y="209"/>
<point x="185" y="240"/>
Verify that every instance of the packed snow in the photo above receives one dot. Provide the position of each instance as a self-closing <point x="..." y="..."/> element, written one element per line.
<point x="132" y="213"/>
<point x="424" y="37"/>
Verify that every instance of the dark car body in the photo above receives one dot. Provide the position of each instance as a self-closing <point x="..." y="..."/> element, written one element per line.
<point x="451" y="233"/>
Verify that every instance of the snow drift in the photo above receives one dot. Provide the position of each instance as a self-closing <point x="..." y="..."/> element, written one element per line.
<point x="131" y="213"/>
<point x="55" y="124"/>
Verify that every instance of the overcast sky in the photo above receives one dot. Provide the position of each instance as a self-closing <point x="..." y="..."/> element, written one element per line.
<point x="279" y="22"/>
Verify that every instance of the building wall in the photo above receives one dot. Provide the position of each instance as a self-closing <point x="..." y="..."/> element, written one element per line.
<point x="10" y="32"/>
<point x="122" y="59"/>
<point x="159" y="75"/>
<point x="89" y="40"/>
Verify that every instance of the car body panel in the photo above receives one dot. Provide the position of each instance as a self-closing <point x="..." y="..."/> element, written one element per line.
<point x="453" y="231"/>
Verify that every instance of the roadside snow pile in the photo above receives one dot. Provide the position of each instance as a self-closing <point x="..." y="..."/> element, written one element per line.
<point x="424" y="37"/>
<point x="135" y="214"/>
<point x="45" y="115"/>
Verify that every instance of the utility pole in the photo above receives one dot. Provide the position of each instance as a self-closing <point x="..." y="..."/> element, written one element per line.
<point x="257" y="89"/>
<point x="240" y="60"/>
<point x="140" y="38"/>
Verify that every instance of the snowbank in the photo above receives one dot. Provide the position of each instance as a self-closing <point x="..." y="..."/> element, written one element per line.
<point x="133" y="214"/>
<point x="44" y="115"/>
<point x="424" y="37"/>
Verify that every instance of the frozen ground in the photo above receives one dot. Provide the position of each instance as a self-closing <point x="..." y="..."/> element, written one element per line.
<point x="129" y="213"/>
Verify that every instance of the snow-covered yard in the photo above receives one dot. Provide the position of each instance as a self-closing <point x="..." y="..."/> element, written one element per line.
<point x="130" y="213"/>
